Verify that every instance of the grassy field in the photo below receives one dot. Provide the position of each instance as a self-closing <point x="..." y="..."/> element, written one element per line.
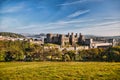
<point x="59" y="71"/>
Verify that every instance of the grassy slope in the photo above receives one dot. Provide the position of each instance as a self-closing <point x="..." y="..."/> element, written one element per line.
<point x="59" y="70"/>
<point x="10" y="34"/>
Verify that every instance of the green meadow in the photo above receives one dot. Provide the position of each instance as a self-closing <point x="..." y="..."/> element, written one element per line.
<point x="59" y="71"/>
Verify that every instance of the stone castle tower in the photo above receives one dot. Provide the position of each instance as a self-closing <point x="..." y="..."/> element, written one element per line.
<point x="81" y="38"/>
<point x="49" y="38"/>
<point x="62" y="39"/>
<point x="72" y="42"/>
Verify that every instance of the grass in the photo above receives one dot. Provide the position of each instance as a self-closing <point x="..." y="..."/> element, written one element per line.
<point x="59" y="71"/>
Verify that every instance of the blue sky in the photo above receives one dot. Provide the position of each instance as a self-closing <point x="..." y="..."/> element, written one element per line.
<point x="96" y="17"/>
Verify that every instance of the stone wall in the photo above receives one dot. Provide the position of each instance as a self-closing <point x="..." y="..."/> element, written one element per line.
<point x="61" y="38"/>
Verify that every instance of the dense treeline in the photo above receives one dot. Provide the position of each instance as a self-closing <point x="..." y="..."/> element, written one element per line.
<point x="25" y="51"/>
<point x="9" y="34"/>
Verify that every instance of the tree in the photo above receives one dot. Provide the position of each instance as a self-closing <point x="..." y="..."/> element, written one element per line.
<point x="66" y="57"/>
<point x="71" y="54"/>
<point x="9" y="56"/>
<point x="2" y="55"/>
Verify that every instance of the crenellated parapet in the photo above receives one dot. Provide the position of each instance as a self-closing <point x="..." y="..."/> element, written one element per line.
<point x="62" y="39"/>
<point x="72" y="40"/>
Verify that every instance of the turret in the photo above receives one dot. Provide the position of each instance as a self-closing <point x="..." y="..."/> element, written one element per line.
<point x="79" y="34"/>
<point x="62" y="40"/>
<point x="49" y="37"/>
<point x="72" y="39"/>
<point x="76" y="35"/>
<point x="81" y="39"/>
<point x="68" y="34"/>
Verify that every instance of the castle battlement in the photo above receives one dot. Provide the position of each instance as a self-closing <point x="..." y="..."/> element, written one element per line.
<point x="73" y="39"/>
<point x="61" y="39"/>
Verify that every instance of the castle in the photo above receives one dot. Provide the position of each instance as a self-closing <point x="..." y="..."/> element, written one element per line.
<point x="62" y="39"/>
<point x="72" y="40"/>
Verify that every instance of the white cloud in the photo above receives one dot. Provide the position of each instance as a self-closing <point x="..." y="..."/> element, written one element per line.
<point x="105" y="30"/>
<point x="78" y="13"/>
<point x="6" y="22"/>
<point x="30" y="26"/>
<point x="9" y="23"/>
<point x="11" y="9"/>
<point x="111" y="18"/>
<point x="55" y="25"/>
<point x="78" y="1"/>
<point x="110" y="28"/>
<point x="71" y="3"/>
<point x="62" y="24"/>
<point x="86" y="26"/>
<point x="107" y="23"/>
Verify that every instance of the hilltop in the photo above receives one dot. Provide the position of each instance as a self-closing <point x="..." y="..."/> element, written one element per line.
<point x="10" y="34"/>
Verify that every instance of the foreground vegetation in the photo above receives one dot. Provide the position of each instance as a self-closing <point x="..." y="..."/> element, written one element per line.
<point x="59" y="71"/>
<point x="26" y="51"/>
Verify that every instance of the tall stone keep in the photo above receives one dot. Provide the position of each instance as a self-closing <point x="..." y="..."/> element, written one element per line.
<point x="81" y="39"/>
<point x="76" y="35"/>
<point x="68" y="34"/>
<point x="62" y="40"/>
<point x="72" y="39"/>
<point x="49" y="38"/>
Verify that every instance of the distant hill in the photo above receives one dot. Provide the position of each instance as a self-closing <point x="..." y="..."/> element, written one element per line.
<point x="9" y="34"/>
<point x="41" y="35"/>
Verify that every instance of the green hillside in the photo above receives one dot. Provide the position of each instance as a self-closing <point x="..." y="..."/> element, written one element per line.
<point x="9" y="34"/>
